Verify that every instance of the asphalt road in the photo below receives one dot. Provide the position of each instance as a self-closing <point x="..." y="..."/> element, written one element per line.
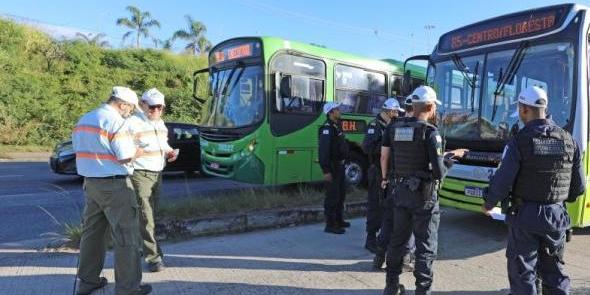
<point x="35" y="201"/>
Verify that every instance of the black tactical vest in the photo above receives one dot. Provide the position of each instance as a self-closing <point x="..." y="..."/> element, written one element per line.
<point x="408" y="142"/>
<point x="338" y="146"/>
<point x="545" y="166"/>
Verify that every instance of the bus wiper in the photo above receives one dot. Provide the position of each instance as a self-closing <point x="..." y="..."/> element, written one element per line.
<point x="466" y="75"/>
<point x="511" y="69"/>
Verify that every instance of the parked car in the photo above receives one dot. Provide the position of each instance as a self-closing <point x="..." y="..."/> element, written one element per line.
<point x="182" y="136"/>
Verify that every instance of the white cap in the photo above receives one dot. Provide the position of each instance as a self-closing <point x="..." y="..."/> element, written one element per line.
<point x="153" y="97"/>
<point x="533" y="96"/>
<point x="329" y="106"/>
<point x="424" y="94"/>
<point x="125" y="94"/>
<point x="392" y="104"/>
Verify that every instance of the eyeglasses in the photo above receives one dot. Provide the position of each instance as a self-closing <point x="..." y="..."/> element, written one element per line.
<point x="156" y="107"/>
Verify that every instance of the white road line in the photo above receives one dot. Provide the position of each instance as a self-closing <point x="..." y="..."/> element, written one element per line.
<point x="19" y="195"/>
<point x="12" y="175"/>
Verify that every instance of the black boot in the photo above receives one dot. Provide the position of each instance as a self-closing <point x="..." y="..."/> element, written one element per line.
<point x="378" y="261"/>
<point x="398" y="290"/>
<point x="371" y="243"/>
<point x="332" y="227"/>
<point x="408" y="263"/>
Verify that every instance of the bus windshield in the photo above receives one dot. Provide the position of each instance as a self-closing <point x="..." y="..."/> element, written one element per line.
<point x="237" y="97"/>
<point x="470" y="113"/>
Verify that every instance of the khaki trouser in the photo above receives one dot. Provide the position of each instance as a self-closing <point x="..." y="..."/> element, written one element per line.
<point x="110" y="205"/>
<point x="147" y="188"/>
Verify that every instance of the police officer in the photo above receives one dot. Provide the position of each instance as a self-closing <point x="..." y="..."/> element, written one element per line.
<point x="417" y="151"/>
<point x="150" y="133"/>
<point x="104" y="151"/>
<point x="376" y="195"/>
<point x="333" y="150"/>
<point x="541" y="168"/>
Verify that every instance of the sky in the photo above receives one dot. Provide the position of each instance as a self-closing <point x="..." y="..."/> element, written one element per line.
<point x="372" y="28"/>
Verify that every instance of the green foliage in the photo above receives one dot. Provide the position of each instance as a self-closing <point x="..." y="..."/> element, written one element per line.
<point x="47" y="85"/>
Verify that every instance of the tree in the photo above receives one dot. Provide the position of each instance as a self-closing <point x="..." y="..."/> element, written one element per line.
<point x="95" y="40"/>
<point x="195" y="35"/>
<point x="140" y="22"/>
<point x="165" y="43"/>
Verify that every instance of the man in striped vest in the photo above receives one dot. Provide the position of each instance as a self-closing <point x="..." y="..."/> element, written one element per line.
<point x="150" y="133"/>
<point x="104" y="152"/>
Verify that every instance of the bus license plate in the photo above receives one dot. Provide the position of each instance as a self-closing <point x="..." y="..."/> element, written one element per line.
<point x="214" y="165"/>
<point x="474" y="191"/>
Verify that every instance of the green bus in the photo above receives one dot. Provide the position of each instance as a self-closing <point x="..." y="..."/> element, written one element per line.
<point x="264" y="107"/>
<point x="478" y="71"/>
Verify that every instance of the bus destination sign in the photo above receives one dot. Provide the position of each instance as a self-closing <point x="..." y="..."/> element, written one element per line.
<point x="235" y="51"/>
<point x="353" y="126"/>
<point x="522" y="25"/>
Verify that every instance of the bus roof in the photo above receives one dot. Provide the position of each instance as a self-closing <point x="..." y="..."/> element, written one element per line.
<point x="276" y="43"/>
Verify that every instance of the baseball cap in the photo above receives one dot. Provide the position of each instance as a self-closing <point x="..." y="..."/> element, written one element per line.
<point x="533" y="96"/>
<point x="408" y="100"/>
<point x="424" y="94"/>
<point x="392" y="104"/>
<point x="125" y="94"/>
<point x="153" y="97"/>
<point x="329" y="106"/>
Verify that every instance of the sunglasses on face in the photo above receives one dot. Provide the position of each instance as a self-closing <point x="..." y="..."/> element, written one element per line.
<point x="156" y="107"/>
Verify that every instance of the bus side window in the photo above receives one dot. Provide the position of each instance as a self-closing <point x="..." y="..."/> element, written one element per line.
<point x="360" y="91"/>
<point x="305" y="78"/>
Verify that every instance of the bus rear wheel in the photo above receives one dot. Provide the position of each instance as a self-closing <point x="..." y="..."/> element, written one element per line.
<point x="355" y="170"/>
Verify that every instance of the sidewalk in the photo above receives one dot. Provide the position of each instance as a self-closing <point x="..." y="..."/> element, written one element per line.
<point x="299" y="260"/>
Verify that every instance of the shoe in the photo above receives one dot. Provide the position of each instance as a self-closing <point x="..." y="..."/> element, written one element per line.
<point x="371" y="244"/>
<point x="334" y="230"/>
<point x="143" y="290"/>
<point x="408" y="263"/>
<point x="399" y="290"/>
<point x="344" y="224"/>
<point x="103" y="282"/>
<point x="378" y="261"/>
<point x="156" y="266"/>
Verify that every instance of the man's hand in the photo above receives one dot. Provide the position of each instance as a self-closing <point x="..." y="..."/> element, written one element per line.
<point x="457" y="154"/>
<point x="485" y="210"/>
<point x="328" y="177"/>
<point x="172" y="155"/>
<point x="384" y="183"/>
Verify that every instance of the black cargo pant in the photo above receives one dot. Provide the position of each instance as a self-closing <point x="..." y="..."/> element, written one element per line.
<point x="412" y="213"/>
<point x="375" y="200"/>
<point x="335" y="195"/>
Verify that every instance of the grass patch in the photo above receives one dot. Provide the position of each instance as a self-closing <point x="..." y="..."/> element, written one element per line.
<point x="250" y="200"/>
<point x="5" y="148"/>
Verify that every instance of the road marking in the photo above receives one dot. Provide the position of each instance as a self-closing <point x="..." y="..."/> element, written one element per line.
<point x="12" y="175"/>
<point x="19" y="195"/>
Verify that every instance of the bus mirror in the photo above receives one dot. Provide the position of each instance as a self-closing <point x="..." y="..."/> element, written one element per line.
<point x="195" y="82"/>
<point x="407" y="83"/>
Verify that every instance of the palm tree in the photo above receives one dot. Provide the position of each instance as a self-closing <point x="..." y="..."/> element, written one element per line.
<point x="195" y="35"/>
<point x="165" y="43"/>
<point x="140" y="23"/>
<point x="95" y="40"/>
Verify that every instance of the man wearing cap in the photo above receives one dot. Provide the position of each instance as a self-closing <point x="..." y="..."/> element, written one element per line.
<point x="541" y="169"/>
<point x="104" y="151"/>
<point x="420" y="164"/>
<point x="408" y="106"/>
<point x="150" y="133"/>
<point x="372" y="147"/>
<point x="379" y="207"/>
<point x="333" y="150"/>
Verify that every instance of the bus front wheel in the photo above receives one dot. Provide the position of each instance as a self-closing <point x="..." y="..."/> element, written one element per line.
<point x="355" y="170"/>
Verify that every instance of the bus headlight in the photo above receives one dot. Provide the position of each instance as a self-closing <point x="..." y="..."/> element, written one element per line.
<point x="251" y="145"/>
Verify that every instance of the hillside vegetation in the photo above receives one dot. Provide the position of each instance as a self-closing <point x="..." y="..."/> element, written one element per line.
<point x="46" y="85"/>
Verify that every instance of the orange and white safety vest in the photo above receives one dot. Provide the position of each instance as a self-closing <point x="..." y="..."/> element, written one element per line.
<point x="102" y="138"/>
<point x="153" y="136"/>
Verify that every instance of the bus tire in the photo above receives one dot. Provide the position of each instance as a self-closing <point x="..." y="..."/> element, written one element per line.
<point x="355" y="170"/>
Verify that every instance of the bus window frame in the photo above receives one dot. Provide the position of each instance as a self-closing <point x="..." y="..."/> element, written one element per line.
<point x="386" y="86"/>
<point x="272" y="72"/>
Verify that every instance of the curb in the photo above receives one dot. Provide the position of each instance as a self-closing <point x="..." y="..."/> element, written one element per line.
<point x="172" y="229"/>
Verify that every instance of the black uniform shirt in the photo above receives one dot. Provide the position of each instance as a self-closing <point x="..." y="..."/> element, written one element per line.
<point x="332" y="145"/>
<point x="373" y="138"/>
<point x="438" y="165"/>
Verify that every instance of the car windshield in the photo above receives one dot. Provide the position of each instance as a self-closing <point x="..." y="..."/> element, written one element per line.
<point x="490" y="113"/>
<point x="237" y="97"/>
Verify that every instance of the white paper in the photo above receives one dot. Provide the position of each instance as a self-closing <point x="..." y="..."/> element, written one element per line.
<point x="496" y="213"/>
